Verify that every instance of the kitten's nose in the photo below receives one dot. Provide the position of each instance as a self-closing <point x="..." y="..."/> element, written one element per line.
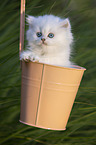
<point x="43" y="39"/>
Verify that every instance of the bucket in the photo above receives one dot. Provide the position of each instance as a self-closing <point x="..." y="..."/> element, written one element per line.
<point x="47" y="94"/>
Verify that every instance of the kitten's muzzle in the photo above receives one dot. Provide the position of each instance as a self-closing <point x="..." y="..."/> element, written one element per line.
<point x="43" y="39"/>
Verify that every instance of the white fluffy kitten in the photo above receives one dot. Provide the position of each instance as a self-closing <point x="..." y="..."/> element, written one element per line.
<point x="49" y="40"/>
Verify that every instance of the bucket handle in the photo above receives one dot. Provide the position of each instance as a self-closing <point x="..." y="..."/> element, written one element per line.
<point x="22" y="26"/>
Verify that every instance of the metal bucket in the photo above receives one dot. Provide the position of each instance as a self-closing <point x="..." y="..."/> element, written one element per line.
<point x="47" y="94"/>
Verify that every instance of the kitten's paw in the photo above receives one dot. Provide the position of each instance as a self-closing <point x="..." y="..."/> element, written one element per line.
<point x="34" y="58"/>
<point x="28" y="56"/>
<point x="25" y="56"/>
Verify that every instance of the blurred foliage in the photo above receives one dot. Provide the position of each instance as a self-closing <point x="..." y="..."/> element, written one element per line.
<point x="82" y="123"/>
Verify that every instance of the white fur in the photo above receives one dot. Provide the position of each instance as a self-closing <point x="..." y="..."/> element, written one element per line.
<point x="57" y="50"/>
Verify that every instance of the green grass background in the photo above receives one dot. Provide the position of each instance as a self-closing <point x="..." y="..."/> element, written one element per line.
<point x="81" y="127"/>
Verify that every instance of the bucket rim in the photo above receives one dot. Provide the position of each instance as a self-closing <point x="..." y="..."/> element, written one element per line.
<point x="30" y="124"/>
<point x="74" y="67"/>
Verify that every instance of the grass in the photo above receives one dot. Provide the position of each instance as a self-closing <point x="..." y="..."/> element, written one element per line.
<point x="82" y="122"/>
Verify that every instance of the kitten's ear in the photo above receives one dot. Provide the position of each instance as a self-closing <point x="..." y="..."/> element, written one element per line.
<point x="66" y="23"/>
<point x="30" y="20"/>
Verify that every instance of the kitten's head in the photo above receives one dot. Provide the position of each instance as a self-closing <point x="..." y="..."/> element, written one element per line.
<point x="48" y="30"/>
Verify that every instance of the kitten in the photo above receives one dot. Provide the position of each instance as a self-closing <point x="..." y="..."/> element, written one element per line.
<point x="49" y="40"/>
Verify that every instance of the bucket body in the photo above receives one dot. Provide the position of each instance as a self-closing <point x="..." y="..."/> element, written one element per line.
<point x="47" y="94"/>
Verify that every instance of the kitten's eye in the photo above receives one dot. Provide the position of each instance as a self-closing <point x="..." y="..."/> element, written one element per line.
<point x="39" y="34"/>
<point x="50" y="35"/>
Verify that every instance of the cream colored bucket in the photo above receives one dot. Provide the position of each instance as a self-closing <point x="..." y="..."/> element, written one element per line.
<point x="47" y="94"/>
